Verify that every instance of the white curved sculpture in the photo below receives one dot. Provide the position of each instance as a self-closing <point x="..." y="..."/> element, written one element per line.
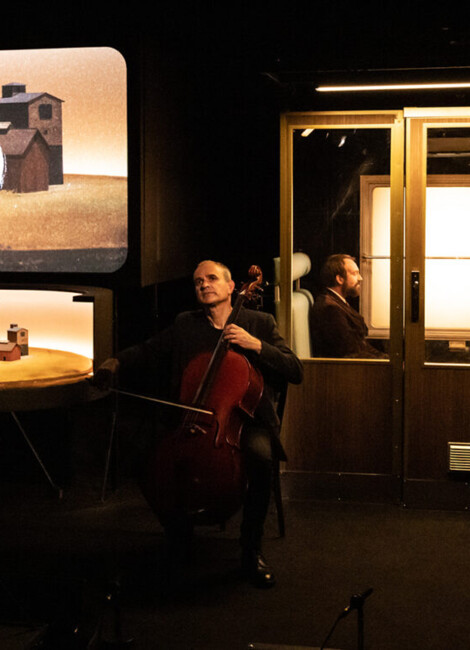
<point x="302" y="302"/>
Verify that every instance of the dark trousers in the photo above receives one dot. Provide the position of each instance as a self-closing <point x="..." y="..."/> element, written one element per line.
<point x="256" y="444"/>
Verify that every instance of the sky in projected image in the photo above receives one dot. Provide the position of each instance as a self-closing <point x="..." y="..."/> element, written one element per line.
<point x="92" y="84"/>
<point x="77" y="223"/>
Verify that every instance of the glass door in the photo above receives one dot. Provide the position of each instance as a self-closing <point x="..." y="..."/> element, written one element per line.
<point x="342" y="193"/>
<point x="397" y="424"/>
<point x="437" y="324"/>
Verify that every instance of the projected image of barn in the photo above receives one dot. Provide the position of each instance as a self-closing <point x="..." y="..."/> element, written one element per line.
<point x="63" y="160"/>
<point x="31" y="139"/>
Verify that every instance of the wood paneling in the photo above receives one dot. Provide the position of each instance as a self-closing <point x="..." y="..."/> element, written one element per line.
<point x="441" y="414"/>
<point x="339" y="418"/>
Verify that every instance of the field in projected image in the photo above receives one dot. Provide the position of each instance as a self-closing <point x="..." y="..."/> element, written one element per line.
<point x="86" y="212"/>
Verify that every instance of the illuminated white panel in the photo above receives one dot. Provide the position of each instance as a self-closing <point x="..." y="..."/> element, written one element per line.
<point x="52" y="319"/>
<point x="447" y="236"/>
<point x="447" y="288"/>
<point x="447" y="222"/>
<point x="380" y="294"/>
<point x="375" y="266"/>
<point x="380" y="227"/>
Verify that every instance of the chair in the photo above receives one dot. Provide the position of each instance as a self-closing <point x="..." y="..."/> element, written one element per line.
<point x="302" y="302"/>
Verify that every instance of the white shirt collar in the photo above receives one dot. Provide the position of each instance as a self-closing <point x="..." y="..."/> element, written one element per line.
<point x="337" y="294"/>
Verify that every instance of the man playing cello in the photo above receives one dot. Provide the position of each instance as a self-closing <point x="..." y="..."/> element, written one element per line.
<point x="255" y="335"/>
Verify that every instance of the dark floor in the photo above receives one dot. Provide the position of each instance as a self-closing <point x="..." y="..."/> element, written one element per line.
<point x="59" y="558"/>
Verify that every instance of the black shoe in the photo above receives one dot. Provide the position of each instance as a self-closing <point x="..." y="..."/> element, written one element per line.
<point x="257" y="570"/>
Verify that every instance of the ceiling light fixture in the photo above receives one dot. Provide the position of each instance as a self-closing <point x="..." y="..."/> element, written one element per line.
<point x="410" y="86"/>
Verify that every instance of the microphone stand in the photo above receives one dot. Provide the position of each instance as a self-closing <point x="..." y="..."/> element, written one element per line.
<point x="356" y="602"/>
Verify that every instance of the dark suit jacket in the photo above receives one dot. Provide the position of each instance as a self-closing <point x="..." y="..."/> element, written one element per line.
<point x="338" y="330"/>
<point x="192" y="334"/>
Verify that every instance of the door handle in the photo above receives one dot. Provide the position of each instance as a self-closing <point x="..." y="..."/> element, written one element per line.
<point x="414" y="296"/>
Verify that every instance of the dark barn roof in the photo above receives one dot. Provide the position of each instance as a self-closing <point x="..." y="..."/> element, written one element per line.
<point x="16" y="142"/>
<point x="26" y="98"/>
<point x="8" y="346"/>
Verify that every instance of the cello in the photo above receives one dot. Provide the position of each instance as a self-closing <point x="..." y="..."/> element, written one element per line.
<point x="198" y="470"/>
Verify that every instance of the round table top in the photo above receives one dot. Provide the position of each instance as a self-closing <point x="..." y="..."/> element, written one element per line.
<point x="44" y="379"/>
<point x="43" y="367"/>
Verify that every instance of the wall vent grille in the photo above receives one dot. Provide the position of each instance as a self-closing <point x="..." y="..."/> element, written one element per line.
<point x="459" y="456"/>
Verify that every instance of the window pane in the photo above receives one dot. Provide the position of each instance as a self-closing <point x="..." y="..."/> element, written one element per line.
<point x="446" y="305"/>
<point x="380" y="297"/>
<point x="330" y="166"/>
<point x="447" y="246"/>
<point x="380" y="222"/>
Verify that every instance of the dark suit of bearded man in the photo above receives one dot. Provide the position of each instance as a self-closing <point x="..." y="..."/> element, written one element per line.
<point x="338" y="330"/>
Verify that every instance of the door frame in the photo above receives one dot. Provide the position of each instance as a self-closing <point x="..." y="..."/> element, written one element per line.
<point x="407" y="370"/>
<point x="387" y="119"/>
<point x="427" y="384"/>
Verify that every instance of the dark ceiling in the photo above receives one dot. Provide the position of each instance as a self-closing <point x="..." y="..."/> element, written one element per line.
<point x="265" y="36"/>
<point x="318" y="35"/>
<point x="291" y="41"/>
<point x="296" y="44"/>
